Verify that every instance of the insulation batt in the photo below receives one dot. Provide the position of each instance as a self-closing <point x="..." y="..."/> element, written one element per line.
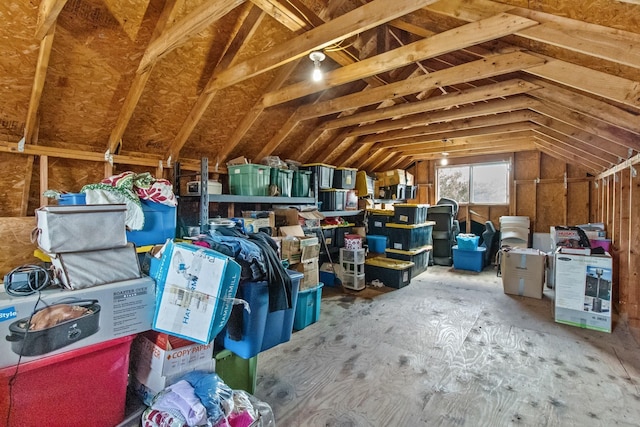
<point x="53" y="315"/>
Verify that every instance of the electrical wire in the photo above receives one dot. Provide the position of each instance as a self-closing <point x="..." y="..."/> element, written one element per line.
<point x="36" y="279"/>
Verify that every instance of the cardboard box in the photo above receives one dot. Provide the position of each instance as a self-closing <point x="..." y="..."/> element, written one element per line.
<point x="409" y="178"/>
<point x="523" y="272"/>
<point x="297" y="247"/>
<point x="583" y="291"/>
<point x="168" y="354"/>
<point x="196" y="288"/>
<point x="396" y="177"/>
<point x="114" y="310"/>
<point x="253" y="221"/>
<point x="288" y="217"/>
<point x="311" y="271"/>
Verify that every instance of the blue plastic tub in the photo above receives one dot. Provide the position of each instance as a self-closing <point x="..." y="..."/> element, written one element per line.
<point x="377" y="244"/>
<point x="308" y="307"/>
<point x="159" y="224"/>
<point x="72" y="199"/>
<point x="467" y="242"/>
<point x="261" y="329"/>
<point x="468" y="260"/>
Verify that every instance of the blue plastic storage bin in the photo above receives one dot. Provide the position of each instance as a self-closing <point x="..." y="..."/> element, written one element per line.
<point x="72" y="199"/>
<point x="468" y="260"/>
<point x="377" y="244"/>
<point x="467" y="242"/>
<point x="261" y="329"/>
<point x="308" y="307"/>
<point x="159" y="224"/>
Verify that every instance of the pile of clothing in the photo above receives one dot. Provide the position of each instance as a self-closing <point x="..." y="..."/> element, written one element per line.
<point x="203" y="399"/>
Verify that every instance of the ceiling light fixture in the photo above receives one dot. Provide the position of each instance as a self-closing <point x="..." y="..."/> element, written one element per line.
<point x="444" y="160"/>
<point x="317" y="57"/>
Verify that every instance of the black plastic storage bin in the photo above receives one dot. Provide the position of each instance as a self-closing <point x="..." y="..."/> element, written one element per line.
<point x="419" y="257"/>
<point x="323" y="174"/>
<point x="409" y="213"/>
<point x="377" y="221"/>
<point x="409" y="236"/>
<point x="340" y="231"/>
<point x="411" y="191"/>
<point x="394" y="192"/>
<point x="332" y="199"/>
<point x="344" y="178"/>
<point x="392" y="272"/>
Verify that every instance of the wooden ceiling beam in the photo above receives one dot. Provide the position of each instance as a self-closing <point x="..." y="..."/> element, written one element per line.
<point x="30" y="127"/>
<point x="438" y="44"/>
<point x="282" y="12"/>
<point x="597" y="83"/>
<point x="598" y="156"/>
<point x="358" y="20"/>
<point x="604" y="130"/>
<point x="606" y="43"/>
<point x="194" y="23"/>
<point x="452" y="146"/>
<point x="475" y="70"/>
<point x="350" y="157"/>
<point x="447" y="130"/>
<point x="568" y="154"/>
<point x="462" y="133"/>
<point x="515" y="145"/>
<point x="47" y="16"/>
<point x="378" y="161"/>
<point x="511" y="104"/>
<point x="587" y="105"/>
<point x="453" y="99"/>
<point x="139" y="82"/>
<point x="581" y="136"/>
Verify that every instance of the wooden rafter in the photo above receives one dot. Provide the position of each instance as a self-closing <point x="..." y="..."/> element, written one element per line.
<point x="199" y="19"/>
<point x="596" y="156"/>
<point x="47" y="16"/>
<point x="470" y="34"/>
<point x="139" y="81"/>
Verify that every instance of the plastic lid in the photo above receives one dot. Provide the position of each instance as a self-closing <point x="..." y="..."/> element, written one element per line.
<point x="424" y="224"/>
<point x="412" y="252"/>
<point x="346" y="169"/>
<point x="319" y="164"/>
<point x="380" y="212"/>
<point x="411" y="205"/>
<point x="394" y="264"/>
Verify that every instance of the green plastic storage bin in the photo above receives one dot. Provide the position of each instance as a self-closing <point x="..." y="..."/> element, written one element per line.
<point x="283" y="179"/>
<point x="236" y="372"/>
<point x="301" y="183"/>
<point x="249" y="180"/>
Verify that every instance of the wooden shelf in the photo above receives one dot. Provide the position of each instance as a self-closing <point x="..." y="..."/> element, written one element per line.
<point x="341" y="213"/>
<point x="233" y="198"/>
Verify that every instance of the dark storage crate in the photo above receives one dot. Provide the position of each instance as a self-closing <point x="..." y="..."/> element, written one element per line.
<point x="393" y="192"/>
<point x="409" y="236"/>
<point x="377" y="221"/>
<point x="419" y="257"/>
<point x="323" y="174"/>
<point x="333" y="199"/>
<point x="409" y="213"/>
<point x="392" y="272"/>
<point x="329" y="236"/>
<point x="344" y="178"/>
<point x="301" y="183"/>
<point x="411" y="191"/>
<point x="340" y="232"/>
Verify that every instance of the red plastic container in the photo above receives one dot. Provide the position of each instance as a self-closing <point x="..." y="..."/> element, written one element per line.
<point x="83" y="387"/>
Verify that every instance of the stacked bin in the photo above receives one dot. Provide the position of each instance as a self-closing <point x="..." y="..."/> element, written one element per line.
<point x="467" y="255"/>
<point x="352" y="268"/>
<point x="249" y="179"/>
<point x="419" y="257"/>
<point x="377" y="236"/>
<point x="323" y="174"/>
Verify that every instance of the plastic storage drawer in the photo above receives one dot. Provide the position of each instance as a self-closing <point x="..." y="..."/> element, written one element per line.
<point x="72" y="199"/>
<point x="344" y="178"/>
<point x="409" y="236"/>
<point x="261" y="329"/>
<point x="468" y="260"/>
<point x="308" y="307"/>
<point x="409" y="214"/>
<point x="391" y="272"/>
<point x="48" y="391"/>
<point x="419" y="257"/>
<point x="323" y="174"/>
<point x="301" y="183"/>
<point x="249" y="179"/>
<point x="333" y="199"/>
<point x="283" y="179"/>
<point x="159" y="224"/>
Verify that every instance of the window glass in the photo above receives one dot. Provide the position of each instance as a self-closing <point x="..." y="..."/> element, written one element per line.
<point x="486" y="183"/>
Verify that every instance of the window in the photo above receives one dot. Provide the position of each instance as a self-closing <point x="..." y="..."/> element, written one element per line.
<point x="486" y="183"/>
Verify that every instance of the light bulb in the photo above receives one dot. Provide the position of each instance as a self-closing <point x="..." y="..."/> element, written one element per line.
<point x="316" y="75"/>
<point x="444" y="161"/>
